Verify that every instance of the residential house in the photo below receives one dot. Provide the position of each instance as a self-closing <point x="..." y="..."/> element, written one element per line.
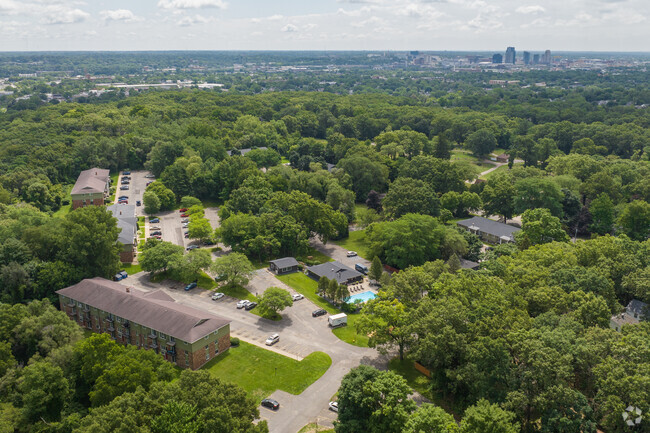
<point x="128" y="223"/>
<point x="185" y="336"/>
<point x="283" y="266"/>
<point x="335" y="271"/>
<point x="93" y="186"/>
<point x="244" y="151"/>
<point x="488" y="230"/>
<point x="468" y="264"/>
<point x="635" y="312"/>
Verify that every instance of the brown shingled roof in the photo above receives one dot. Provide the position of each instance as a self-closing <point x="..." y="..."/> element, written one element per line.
<point x="91" y="181"/>
<point x="156" y="310"/>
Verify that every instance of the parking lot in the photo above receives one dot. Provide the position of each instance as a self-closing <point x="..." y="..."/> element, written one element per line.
<point x="137" y="185"/>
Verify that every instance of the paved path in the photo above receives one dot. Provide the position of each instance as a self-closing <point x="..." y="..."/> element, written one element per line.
<point x="490" y="170"/>
<point x="300" y="335"/>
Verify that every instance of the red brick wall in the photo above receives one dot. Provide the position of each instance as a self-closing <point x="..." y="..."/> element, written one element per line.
<point x="127" y="256"/>
<point x="79" y="203"/>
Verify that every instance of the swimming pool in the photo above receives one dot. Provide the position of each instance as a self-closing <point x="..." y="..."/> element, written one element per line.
<point x="363" y="297"/>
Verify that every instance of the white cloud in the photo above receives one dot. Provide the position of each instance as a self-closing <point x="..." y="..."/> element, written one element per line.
<point x="192" y="4"/>
<point x="289" y="28"/>
<point x="532" y="9"/>
<point x="196" y="19"/>
<point x="59" y="14"/>
<point x="118" y="15"/>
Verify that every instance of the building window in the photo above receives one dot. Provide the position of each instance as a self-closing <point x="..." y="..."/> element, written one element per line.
<point x="161" y="335"/>
<point x="119" y="319"/>
<point x="187" y="358"/>
<point x="171" y="339"/>
<point x="207" y="351"/>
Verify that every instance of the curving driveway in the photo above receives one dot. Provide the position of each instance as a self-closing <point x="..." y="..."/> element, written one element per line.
<point x="300" y="335"/>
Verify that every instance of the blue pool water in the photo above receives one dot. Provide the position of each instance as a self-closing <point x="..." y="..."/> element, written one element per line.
<point x="363" y="296"/>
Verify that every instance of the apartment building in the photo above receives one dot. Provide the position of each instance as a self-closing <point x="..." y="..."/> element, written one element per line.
<point x="185" y="336"/>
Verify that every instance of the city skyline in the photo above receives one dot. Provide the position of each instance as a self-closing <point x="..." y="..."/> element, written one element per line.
<point x="452" y="25"/>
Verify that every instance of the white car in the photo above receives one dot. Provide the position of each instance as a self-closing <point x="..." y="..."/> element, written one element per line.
<point x="185" y="225"/>
<point x="334" y="406"/>
<point x="272" y="340"/>
<point x="351" y="254"/>
<point x="241" y="304"/>
<point x="217" y="296"/>
<point x="297" y="297"/>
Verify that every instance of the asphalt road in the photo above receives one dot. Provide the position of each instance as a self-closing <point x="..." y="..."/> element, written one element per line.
<point x="136" y="189"/>
<point x="300" y="335"/>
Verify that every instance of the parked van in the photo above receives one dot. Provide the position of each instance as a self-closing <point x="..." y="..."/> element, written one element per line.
<point x="338" y="320"/>
<point x="361" y="268"/>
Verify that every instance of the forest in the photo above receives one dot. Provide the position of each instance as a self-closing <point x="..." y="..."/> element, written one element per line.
<point x="521" y="345"/>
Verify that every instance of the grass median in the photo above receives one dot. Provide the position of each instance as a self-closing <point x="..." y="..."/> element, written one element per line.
<point x="260" y="372"/>
<point x="356" y="241"/>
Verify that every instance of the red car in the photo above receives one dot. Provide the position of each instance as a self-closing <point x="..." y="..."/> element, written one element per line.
<point x="184" y="215"/>
<point x="156" y="236"/>
<point x="183" y="209"/>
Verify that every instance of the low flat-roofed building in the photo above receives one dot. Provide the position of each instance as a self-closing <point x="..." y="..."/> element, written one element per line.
<point x="335" y="271"/>
<point x="488" y="230"/>
<point x="92" y="188"/>
<point x="185" y="336"/>
<point x="284" y="265"/>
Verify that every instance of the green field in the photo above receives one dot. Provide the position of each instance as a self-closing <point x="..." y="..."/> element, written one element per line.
<point x="260" y="372"/>
<point x="130" y="268"/>
<point x="315" y="255"/>
<point x="356" y="241"/>
<point x="63" y="211"/>
<point x="301" y="283"/>
<point x="502" y="169"/>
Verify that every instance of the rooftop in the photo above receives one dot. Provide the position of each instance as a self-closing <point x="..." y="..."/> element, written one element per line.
<point x="156" y="310"/>
<point x="91" y="181"/>
<point x="126" y="220"/>
<point x="491" y="227"/>
<point x="335" y="271"/>
<point x="246" y="150"/>
<point x="285" y="262"/>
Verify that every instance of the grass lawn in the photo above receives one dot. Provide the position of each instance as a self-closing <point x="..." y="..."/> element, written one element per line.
<point x="419" y="382"/>
<point x="316" y="256"/>
<point x="63" y="211"/>
<point x="260" y="372"/>
<point x="237" y="292"/>
<point x="305" y="285"/>
<point x="284" y="160"/>
<point x="315" y="428"/>
<point x="206" y="282"/>
<point x="114" y="185"/>
<point x="210" y="203"/>
<point x="349" y="333"/>
<point x="356" y="241"/>
<point x="301" y="283"/>
<point x="130" y="268"/>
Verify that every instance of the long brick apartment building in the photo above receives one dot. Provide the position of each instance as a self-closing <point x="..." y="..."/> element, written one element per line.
<point x="185" y="336"/>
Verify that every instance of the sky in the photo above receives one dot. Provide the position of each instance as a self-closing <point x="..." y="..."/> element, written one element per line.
<point x="428" y="25"/>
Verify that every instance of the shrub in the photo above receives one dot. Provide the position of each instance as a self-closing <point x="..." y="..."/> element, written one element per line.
<point x="234" y="341"/>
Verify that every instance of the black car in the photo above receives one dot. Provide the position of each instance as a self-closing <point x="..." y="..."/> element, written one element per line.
<point x="250" y="306"/>
<point x="271" y="404"/>
<point x="317" y="313"/>
<point x="156" y="233"/>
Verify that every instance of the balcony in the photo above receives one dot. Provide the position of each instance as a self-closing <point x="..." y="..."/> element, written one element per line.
<point x="108" y="319"/>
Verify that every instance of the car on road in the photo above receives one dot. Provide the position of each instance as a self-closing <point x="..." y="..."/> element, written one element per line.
<point x="190" y="286"/>
<point x="123" y="201"/>
<point x="127" y="181"/>
<point x="157" y="232"/>
<point x="319" y="312"/>
<point x="184" y="215"/>
<point x="149" y="183"/>
<point x="185" y="220"/>
<point x="351" y="254"/>
<point x="154" y="220"/>
<point x="127" y="172"/>
<point x="150" y="176"/>
<point x="138" y="203"/>
<point x="185" y="225"/>
<point x="155" y="228"/>
<point x="183" y="209"/>
<point x="272" y="340"/>
<point x="250" y="306"/>
<point x="155" y="237"/>
<point x="123" y="197"/>
<point x="187" y="235"/>
<point x="334" y="406"/>
<point x="241" y="304"/>
<point x="192" y="247"/>
<point x="217" y="296"/>
<point x="271" y="404"/>
<point x="124" y="187"/>
<point x="297" y="297"/>
<point x="208" y="242"/>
